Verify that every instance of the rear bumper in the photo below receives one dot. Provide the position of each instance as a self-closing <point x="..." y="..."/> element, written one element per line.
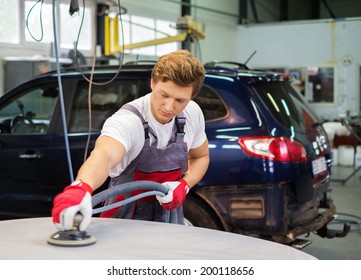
<point x="316" y="224"/>
<point x="267" y="211"/>
<point x="320" y="225"/>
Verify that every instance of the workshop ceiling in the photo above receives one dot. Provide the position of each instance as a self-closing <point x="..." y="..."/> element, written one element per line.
<point x="264" y="11"/>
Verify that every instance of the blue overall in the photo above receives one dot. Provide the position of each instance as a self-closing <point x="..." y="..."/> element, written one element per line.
<point x="155" y="165"/>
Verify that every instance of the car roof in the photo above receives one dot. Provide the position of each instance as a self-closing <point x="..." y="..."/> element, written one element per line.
<point x="221" y="68"/>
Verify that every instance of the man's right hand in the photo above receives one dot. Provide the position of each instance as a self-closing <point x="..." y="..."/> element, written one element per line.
<point x="75" y="198"/>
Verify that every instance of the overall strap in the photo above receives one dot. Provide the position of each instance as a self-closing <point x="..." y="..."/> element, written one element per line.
<point x="144" y="122"/>
<point x="180" y="122"/>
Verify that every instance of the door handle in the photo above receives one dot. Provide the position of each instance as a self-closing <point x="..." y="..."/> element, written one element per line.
<point x="30" y="156"/>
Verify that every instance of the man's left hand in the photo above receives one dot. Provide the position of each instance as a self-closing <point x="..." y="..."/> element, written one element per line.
<point x="176" y="194"/>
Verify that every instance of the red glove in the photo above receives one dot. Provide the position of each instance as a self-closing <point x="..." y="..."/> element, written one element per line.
<point x="176" y="194"/>
<point x="75" y="198"/>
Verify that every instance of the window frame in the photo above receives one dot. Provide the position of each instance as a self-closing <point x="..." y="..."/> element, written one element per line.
<point x="41" y="46"/>
<point x="47" y="47"/>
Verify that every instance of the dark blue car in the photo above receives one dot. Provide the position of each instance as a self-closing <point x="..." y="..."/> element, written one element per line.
<point x="270" y="158"/>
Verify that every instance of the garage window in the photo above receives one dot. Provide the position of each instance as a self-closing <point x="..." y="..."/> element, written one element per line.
<point x="137" y="29"/>
<point x="9" y="23"/>
<point x="36" y="17"/>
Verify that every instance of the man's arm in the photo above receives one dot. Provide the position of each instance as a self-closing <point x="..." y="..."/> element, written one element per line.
<point x="77" y="196"/>
<point x="198" y="161"/>
<point x="107" y="153"/>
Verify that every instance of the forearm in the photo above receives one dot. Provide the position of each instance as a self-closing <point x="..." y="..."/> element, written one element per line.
<point x="94" y="171"/>
<point x="196" y="169"/>
<point x="106" y="154"/>
<point x="198" y="161"/>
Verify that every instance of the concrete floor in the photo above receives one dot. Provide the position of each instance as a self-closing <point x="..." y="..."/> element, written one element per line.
<point x="346" y="193"/>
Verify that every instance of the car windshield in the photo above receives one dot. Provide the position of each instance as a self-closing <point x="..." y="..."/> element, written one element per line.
<point x="287" y="105"/>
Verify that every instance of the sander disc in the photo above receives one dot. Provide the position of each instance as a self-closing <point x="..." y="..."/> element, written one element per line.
<point x="71" y="238"/>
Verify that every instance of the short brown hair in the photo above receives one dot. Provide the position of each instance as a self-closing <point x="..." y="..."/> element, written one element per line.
<point x="180" y="67"/>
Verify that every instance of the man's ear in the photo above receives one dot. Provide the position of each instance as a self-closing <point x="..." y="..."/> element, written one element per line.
<point x="151" y="84"/>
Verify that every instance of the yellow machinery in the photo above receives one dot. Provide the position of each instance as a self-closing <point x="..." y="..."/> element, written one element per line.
<point x="187" y="28"/>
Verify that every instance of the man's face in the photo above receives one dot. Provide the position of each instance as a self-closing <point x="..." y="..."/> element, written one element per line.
<point x="168" y="100"/>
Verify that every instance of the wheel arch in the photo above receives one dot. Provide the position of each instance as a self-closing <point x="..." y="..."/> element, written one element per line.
<point x="213" y="211"/>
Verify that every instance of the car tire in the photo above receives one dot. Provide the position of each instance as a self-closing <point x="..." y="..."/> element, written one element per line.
<point x="197" y="213"/>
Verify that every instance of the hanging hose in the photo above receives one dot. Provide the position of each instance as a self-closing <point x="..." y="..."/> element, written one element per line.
<point x="154" y="189"/>
<point x="61" y="98"/>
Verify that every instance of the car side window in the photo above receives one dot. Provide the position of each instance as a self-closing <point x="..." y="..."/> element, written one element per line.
<point x="29" y="113"/>
<point x="106" y="99"/>
<point x="287" y="106"/>
<point x="211" y="104"/>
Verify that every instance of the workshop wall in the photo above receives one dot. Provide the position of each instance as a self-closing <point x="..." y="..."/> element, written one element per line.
<point x="298" y="44"/>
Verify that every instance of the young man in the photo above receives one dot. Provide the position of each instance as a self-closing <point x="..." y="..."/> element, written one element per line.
<point x="159" y="137"/>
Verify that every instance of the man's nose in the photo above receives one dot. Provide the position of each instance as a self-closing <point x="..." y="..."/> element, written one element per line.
<point x="169" y="104"/>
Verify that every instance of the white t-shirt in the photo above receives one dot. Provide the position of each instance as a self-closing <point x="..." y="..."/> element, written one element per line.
<point x="127" y="128"/>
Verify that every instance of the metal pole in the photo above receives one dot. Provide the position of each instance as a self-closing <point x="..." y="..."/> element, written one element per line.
<point x="186" y="11"/>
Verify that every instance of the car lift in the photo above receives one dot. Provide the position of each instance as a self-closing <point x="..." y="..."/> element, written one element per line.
<point x="188" y="29"/>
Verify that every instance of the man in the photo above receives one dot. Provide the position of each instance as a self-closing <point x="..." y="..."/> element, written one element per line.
<point x="159" y="137"/>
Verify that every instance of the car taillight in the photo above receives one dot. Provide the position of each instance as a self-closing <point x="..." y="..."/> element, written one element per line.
<point x="274" y="148"/>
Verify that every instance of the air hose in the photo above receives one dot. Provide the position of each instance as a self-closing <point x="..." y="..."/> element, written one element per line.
<point x="75" y="237"/>
<point x="153" y="187"/>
